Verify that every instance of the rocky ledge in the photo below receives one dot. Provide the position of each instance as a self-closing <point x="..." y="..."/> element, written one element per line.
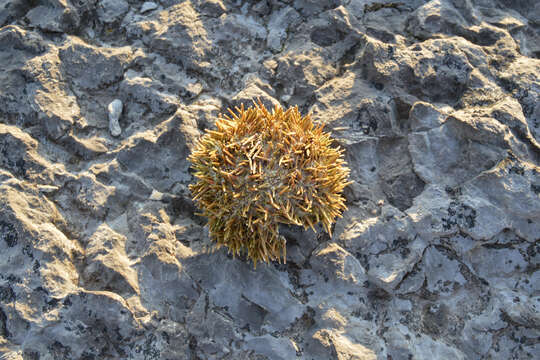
<point x="437" y="104"/>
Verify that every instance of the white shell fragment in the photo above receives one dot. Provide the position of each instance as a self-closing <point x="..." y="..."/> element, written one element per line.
<point x="115" y="110"/>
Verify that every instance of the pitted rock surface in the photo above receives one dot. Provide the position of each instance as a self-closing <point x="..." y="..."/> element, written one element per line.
<point x="103" y="255"/>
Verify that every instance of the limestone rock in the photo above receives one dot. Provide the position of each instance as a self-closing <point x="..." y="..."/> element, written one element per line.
<point x="255" y="90"/>
<point x="55" y="16"/>
<point x="279" y="23"/>
<point x="91" y="68"/>
<point x="146" y="91"/>
<point x="435" y="103"/>
<point x="112" y="11"/>
<point x="439" y="17"/>
<point x="12" y="10"/>
<point x="179" y="34"/>
<point x="249" y="307"/>
<point x="214" y="8"/>
<point x="445" y="84"/>
<point x="145" y="156"/>
<point x="271" y="347"/>
<point x="424" y="116"/>
<point x="148" y="6"/>
<point x="108" y="267"/>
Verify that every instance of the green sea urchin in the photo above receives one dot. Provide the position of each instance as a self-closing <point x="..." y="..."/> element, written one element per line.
<point x="259" y="169"/>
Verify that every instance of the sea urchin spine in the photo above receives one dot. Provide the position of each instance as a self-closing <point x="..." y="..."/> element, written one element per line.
<point x="259" y="169"/>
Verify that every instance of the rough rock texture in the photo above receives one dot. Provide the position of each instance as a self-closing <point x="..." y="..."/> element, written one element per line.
<point x="437" y="104"/>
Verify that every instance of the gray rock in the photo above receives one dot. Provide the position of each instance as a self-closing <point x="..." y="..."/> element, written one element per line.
<point x="107" y="266"/>
<point x="387" y="270"/>
<point x="386" y="247"/>
<point x="24" y="162"/>
<point x="148" y="6"/>
<point x="356" y="341"/>
<point x="81" y="308"/>
<point x="242" y="295"/>
<point x="438" y="280"/>
<point x="337" y="266"/>
<point x="146" y="91"/>
<point x="520" y="200"/>
<point x="436" y="105"/>
<point x="426" y="348"/>
<point x="438" y="17"/>
<point x="490" y="263"/>
<point x="369" y="115"/>
<point x="262" y="7"/>
<point x="449" y="149"/>
<point x="424" y="116"/>
<point x="213" y="8"/>
<point x="88" y="194"/>
<point x="312" y="7"/>
<point x="523" y="85"/>
<point x="90" y="67"/>
<point x="145" y="156"/>
<point x="11" y="11"/>
<point x="178" y="34"/>
<point x="399" y="182"/>
<point x="279" y="23"/>
<point x="173" y="78"/>
<point x="446" y="85"/>
<point x="273" y="348"/>
<point x="55" y="16"/>
<point x="254" y="91"/>
<point x="241" y="29"/>
<point x="110" y="11"/>
<point x="18" y="46"/>
<point x="177" y="290"/>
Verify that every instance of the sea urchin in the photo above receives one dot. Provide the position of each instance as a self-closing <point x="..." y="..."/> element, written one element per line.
<point x="259" y="169"/>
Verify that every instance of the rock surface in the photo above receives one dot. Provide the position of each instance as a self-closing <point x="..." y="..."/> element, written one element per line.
<point x="437" y="104"/>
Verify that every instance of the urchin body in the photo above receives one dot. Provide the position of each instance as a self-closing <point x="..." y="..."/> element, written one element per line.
<point x="259" y="169"/>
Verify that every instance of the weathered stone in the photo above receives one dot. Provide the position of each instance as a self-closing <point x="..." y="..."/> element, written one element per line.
<point x="424" y="116"/>
<point x="148" y="6"/>
<point x="327" y="343"/>
<point x="254" y="92"/>
<point x="247" y="304"/>
<point x="442" y="282"/>
<point x="12" y="10"/>
<point x="271" y="347"/>
<point x="214" y="8"/>
<point x="179" y="34"/>
<point x="147" y="154"/>
<point x="55" y="15"/>
<point x="509" y="186"/>
<point x="454" y="149"/>
<point x="279" y="23"/>
<point x="146" y="91"/>
<point x="18" y="47"/>
<point x="439" y="17"/>
<point x="312" y="7"/>
<point x="107" y="266"/>
<point x="435" y="71"/>
<point x="110" y="11"/>
<point x="90" y="67"/>
<point x="18" y="153"/>
<point x="161" y="272"/>
<point x="436" y="105"/>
